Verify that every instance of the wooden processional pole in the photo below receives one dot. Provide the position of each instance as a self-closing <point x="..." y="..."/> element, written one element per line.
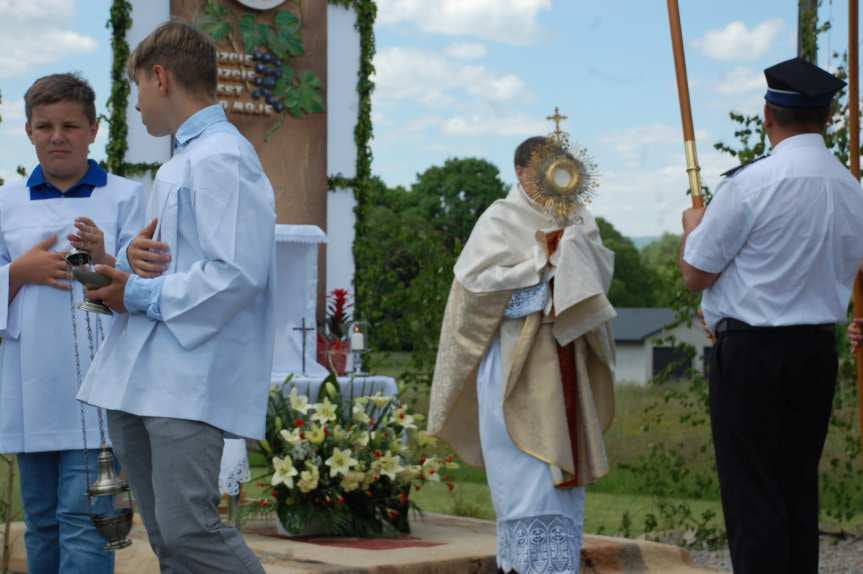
<point x="692" y="168"/>
<point x="854" y="160"/>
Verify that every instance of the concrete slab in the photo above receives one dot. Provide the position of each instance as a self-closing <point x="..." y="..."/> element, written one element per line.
<point x="439" y="544"/>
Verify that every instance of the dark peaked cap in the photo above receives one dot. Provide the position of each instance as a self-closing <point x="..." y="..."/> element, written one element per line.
<point x="796" y="83"/>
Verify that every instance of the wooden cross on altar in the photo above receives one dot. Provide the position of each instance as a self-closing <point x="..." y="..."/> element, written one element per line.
<point x="305" y="330"/>
<point x="557" y="118"/>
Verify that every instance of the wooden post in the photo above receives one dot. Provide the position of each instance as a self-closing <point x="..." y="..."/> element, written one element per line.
<point x="692" y="168"/>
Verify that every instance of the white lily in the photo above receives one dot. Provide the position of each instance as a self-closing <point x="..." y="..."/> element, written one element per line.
<point x="283" y="471"/>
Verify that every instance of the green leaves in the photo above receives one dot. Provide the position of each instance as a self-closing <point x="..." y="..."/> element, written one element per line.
<point x="286" y="40"/>
<point x="214" y="9"/>
<point x="253" y="32"/>
<point x="309" y="93"/>
<point x="284" y="83"/>
<point x="213" y="20"/>
<point x="302" y="96"/>
<point x="301" y="93"/>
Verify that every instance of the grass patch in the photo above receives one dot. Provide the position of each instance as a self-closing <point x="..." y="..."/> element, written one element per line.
<point x="17" y="513"/>
<point x="390" y="363"/>
<point x="603" y="512"/>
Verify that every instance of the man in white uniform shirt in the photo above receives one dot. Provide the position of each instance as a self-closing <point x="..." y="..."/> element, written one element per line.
<point x="776" y="254"/>
<point x="189" y="358"/>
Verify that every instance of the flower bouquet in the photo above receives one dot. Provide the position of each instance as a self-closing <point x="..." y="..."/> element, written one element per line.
<point x="344" y="466"/>
<point x="333" y="342"/>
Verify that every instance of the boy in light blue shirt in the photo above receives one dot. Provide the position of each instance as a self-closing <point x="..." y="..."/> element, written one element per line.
<point x="189" y="358"/>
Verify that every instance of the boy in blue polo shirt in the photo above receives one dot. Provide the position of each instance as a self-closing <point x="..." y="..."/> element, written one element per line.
<point x="68" y="201"/>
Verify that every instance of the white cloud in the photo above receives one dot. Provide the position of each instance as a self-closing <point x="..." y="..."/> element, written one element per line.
<point x="639" y="145"/>
<point x="493" y="125"/>
<point x="507" y="21"/>
<point x="12" y="113"/>
<point x="736" y="42"/>
<point x="37" y="10"/>
<point x="742" y="80"/>
<point x="643" y="178"/>
<point x="426" y="77"/>
<point x="466" y="51"/>
<point x="37" y="32"/>
<point x="650" y="201"/>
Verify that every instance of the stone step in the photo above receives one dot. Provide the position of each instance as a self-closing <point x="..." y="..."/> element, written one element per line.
<point x="438" y="544"/>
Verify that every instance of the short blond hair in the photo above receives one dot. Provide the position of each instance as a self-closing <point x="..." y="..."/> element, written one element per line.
<point x="187" y="52"/>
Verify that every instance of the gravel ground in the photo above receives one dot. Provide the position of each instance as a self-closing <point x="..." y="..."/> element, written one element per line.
<point x="837" y="557"/>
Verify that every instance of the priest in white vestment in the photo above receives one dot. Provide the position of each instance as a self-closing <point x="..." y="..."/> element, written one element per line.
<point x="523" y="382"/>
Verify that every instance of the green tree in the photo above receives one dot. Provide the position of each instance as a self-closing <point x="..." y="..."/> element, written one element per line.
<point x="633" y="282"/>
<point x="454" y="195"/>
<point x="660" y="256"/>
<point x="410" y="246"/>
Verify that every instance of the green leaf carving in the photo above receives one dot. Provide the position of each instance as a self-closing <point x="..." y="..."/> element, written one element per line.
<point x="310" y="98"/>
<point x="214" y="9"/>
<point x="213" y="20"/>
<point x="286" y="37"/>
<point x="217" y="29"/>
<point x="284" y="83"/>
<point x="254" y="33"/>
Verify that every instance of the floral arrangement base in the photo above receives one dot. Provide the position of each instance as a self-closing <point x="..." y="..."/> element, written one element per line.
<point x="310" y="528"/>
<point x="344" y="465"/>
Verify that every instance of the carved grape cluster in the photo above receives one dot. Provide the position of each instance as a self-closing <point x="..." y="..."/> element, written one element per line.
<point x="268" y="70"/>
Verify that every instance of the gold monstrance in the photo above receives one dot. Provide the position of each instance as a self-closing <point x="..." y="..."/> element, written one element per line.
<point x="563" y="176"/>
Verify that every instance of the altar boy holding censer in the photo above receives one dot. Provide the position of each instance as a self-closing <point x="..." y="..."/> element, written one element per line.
<point x="188" y="360"/>
<point x="66" y="202"/>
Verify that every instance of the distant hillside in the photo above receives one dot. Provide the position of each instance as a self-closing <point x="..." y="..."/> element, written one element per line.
<point x="642" y="241"/>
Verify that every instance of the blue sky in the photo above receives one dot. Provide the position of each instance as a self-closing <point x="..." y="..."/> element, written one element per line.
<point x="461" y="78"/>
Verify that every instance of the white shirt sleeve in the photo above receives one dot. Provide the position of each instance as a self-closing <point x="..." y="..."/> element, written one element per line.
<point x="235" y="223"/>
<point x="10" y="326"/>
<point x="130" y="220"/>
<point x="727" y="224"/>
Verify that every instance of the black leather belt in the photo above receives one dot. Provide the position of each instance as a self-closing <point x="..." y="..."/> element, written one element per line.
<point x="735" y="325"/>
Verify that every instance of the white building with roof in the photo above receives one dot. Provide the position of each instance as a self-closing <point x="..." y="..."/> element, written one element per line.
<point x="643" y="349"/>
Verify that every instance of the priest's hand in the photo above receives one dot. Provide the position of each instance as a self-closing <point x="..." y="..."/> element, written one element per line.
<point x="855" y="333"/>
<point x="111" y="295"/>
<point x="147" y="257"/>
<point x="40" y="266"/>
<point x="90" y="238"/>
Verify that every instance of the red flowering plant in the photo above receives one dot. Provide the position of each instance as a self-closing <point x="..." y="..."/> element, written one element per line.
<point x="333" y="336"/>
<point x="345" y="465"/>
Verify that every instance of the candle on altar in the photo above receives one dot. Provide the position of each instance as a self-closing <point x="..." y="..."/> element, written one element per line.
<point x="358" y="340"/>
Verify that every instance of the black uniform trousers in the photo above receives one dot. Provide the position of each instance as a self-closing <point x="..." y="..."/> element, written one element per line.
<point x="771" y="394"/>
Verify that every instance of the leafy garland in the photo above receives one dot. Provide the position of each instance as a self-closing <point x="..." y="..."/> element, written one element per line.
<point x="366" y="10"/>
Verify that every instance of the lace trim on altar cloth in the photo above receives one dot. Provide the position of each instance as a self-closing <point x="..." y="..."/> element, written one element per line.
<point x="229" y="482"/>
<point x="527" y="301"/>
<point x="548" y="544"/>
